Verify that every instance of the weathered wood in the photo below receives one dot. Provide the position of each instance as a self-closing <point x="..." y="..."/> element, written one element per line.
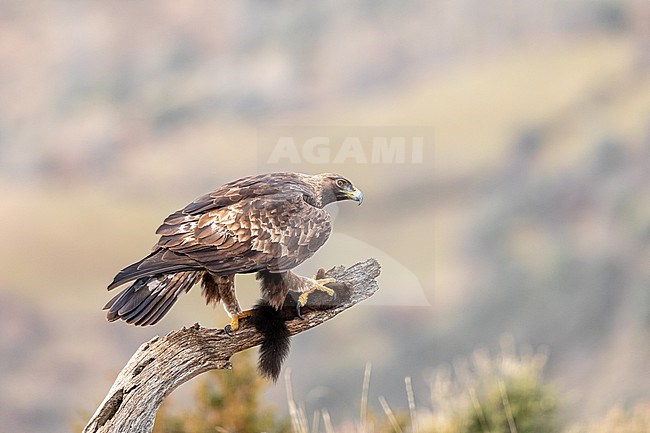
<point x="162" y="364"/>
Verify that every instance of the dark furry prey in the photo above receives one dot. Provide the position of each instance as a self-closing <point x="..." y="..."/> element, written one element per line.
<point x="272" y="322"/>
<point x="275" y="348"/>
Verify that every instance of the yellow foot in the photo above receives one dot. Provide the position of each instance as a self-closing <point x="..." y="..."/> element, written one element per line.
<point x="317" y="285"/>
<point x="234" y="322"/>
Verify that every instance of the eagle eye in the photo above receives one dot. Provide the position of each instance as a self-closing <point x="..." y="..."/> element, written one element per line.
<point x="342" y="183"/>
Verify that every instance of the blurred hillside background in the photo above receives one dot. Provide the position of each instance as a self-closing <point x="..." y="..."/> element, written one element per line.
<point x="528" y="214"/>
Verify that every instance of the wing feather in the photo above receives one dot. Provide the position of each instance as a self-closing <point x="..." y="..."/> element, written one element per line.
<point x="252" y="224"/>
<point x="268" y="232"/>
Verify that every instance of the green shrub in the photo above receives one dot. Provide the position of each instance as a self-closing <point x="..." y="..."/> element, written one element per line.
<point x="493" y="394"/>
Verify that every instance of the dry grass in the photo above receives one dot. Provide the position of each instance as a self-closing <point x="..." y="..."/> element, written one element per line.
<point x="484" y="393"/>
<point x="491" y="393"/>
<point x="619" y="420"/>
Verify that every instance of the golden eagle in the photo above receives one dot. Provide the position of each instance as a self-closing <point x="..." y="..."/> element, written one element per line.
<point x="267" y="223"/>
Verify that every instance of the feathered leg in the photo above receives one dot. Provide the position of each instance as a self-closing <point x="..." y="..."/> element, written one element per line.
<point x="221" y="288"/>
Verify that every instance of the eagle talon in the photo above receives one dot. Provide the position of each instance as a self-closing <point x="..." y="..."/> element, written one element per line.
<point x="234" y="322"/>
<point x="323" y="281"/>
<point x="232" y="326"/>
<point x="317" y="285"/>
<point x="298" y="314"/>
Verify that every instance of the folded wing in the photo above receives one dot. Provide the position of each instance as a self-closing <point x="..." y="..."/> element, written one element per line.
<point x="235" y="233"/>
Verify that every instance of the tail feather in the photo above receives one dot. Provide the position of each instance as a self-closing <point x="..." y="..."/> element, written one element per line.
<point x="150" y="306"/>
<point x="132" y="298"/>
<point x="162" y="304"/>
<point x="160" y="312"/>
<point x="277" y="339"/>
<point x="157" y="263"/>
<point x="148" y="299"/>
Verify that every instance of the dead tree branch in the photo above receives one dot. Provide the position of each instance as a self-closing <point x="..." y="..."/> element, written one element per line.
<point x="162" y="364"/>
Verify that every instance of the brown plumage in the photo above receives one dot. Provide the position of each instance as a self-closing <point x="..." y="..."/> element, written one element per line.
<point x="267" y="223"/>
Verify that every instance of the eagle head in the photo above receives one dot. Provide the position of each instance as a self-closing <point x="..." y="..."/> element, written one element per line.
<point x="335" y="187"/>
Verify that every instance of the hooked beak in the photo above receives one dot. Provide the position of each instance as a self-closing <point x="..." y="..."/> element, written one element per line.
<point x="356" y="195"/>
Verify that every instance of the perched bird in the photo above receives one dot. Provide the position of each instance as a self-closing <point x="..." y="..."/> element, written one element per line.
<point x="267" y="223"/>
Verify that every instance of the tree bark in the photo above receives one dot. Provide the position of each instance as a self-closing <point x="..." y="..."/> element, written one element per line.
<point x="162" y="364"/>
